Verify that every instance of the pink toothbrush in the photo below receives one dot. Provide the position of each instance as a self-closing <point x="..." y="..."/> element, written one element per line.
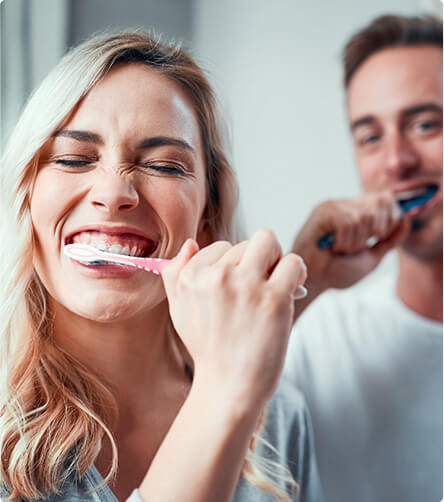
<point x="90" y="255"/>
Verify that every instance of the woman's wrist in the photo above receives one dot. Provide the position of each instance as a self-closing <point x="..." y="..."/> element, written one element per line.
<point x="217" y="426"/>
<point x="227" y="397"/>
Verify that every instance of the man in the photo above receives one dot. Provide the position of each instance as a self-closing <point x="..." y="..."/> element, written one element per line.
<point x="369" y="361"/>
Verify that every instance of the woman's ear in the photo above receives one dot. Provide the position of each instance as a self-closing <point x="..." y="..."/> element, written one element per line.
<point x="204" y="235"/>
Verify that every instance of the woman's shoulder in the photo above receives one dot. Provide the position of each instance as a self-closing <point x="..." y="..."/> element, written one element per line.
<point x="287" y="440"/>
<point x="289" y="430"/>
<point x="287" y="412"/>
<point x="75" y="490"/>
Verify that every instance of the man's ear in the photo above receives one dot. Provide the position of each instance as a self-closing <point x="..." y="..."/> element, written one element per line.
<point x="204" y="234"/>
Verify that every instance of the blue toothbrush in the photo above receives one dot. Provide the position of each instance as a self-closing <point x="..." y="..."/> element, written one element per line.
<point x="328" y="240"/>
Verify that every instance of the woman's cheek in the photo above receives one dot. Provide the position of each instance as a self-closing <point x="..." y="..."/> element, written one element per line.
<point x="184" y="214"/>
<point x="52" y="194"/>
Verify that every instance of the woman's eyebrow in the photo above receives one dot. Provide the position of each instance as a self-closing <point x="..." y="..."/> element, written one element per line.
<point x="87" y="136"/>
<point x="153" y="142"/>
<point x="165" y="141"/>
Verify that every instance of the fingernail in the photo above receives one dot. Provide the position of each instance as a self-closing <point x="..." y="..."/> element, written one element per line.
<point x="300" y="293"/>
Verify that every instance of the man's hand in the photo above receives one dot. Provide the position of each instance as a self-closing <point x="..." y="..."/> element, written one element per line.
<point x="350" y="259"/>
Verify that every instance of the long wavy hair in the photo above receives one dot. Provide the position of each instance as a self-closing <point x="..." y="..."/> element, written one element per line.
<point x="55" y="414"/>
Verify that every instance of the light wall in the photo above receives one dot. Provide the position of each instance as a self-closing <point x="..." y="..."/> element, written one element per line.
<point x="277" y="66"/>
<point x="171" y="18"/>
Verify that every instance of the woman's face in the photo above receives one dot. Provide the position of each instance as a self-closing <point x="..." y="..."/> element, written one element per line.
<point x="126" y="171"/>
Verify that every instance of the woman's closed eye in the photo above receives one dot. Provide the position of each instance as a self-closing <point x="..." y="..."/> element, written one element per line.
<point x="73" y="162"/>
<point x="152" y="167"/>
<point x="165" y="168"/>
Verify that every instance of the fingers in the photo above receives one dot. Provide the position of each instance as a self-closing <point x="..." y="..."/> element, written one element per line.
<point x="289" y="275"/>
<point x="374" y="216"/>
<point x="394" y="240"/>
<point x="210" y="254"/>
<point x="346" y="232"/>
<point x="171" y="272"/>
<point x="234" y="255"/>
<point x="261" y="254"/>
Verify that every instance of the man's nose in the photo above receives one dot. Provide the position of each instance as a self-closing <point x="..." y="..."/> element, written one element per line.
<point x="113" y="192"/>
<point x="401" y="156"/>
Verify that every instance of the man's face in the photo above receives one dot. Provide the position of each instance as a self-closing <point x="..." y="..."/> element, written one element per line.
<point x="395" y="113"/>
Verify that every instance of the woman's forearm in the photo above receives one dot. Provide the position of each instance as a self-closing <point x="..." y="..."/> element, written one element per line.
<point x="202" y="455"/>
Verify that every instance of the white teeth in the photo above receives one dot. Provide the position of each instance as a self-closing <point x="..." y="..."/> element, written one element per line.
<point x="411" y="193"/>
<point x="115" y="248"/>
<point x="128" y="247"/>
<point x="86" y="237"/>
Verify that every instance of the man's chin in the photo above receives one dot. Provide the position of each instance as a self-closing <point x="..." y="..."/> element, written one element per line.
<point x="418" y="225"/>
<point x="421" y="245"/>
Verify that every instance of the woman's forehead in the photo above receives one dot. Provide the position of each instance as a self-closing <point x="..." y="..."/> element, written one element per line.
<point x="137" y="100"/>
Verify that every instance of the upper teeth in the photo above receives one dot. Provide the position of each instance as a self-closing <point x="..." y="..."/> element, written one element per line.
<point x="132" y="246"/>
<point x="117" y="249"/>
<point x="411" y="193"/>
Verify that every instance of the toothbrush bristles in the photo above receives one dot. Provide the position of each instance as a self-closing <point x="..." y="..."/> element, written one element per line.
<point x="99" y="262"/>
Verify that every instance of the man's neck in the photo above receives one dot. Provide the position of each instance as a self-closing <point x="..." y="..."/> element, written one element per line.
<point x="419" y="286"/>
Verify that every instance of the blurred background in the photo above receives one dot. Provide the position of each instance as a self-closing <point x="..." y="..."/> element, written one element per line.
<point x="276" y="67"/>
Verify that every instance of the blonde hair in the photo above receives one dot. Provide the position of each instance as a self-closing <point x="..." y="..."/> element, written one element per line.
<point x="54" y="413"/>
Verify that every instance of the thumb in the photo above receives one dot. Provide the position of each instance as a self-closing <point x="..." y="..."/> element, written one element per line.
<point x="170" y="272"/>
<point x="394" y="240"/>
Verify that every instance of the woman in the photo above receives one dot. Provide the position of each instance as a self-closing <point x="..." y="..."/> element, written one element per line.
<point x="153" y="383"/>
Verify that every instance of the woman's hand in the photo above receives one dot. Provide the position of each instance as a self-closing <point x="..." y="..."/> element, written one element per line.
<point x="232" y="306"/>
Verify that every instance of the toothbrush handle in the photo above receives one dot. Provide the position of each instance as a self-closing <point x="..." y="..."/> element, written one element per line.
<point x="326" y="241"/>
<point x="154" y="265"/>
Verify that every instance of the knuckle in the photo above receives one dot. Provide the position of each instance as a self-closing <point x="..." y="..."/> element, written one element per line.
<point x="266" y="234"/>
<point x="296" y="263"/>
<point x="325" y="206"/>
<point x="221" y="245"/>
<point x="347" y="223"/>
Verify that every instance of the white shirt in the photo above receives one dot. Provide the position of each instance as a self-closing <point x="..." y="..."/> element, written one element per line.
<point x="371" y="373"/>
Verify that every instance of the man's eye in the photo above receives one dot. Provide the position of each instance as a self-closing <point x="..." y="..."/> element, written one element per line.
<point x="368" y="140"/>
<point x="427" y="125"/>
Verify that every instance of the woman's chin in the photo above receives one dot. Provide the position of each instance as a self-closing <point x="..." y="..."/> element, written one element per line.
<point x="112" y="307"/>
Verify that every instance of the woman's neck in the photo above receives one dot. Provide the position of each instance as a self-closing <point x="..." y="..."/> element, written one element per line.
<point x="135" y="357"/>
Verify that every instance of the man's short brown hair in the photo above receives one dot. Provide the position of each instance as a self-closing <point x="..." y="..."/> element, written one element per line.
<point x="389" y="31"/>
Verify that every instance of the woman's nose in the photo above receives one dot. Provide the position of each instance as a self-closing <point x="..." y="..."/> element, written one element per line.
<point x="113" y="192"/>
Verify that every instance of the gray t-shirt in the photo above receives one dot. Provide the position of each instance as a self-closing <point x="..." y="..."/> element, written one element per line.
<point x="288" y="429"/>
